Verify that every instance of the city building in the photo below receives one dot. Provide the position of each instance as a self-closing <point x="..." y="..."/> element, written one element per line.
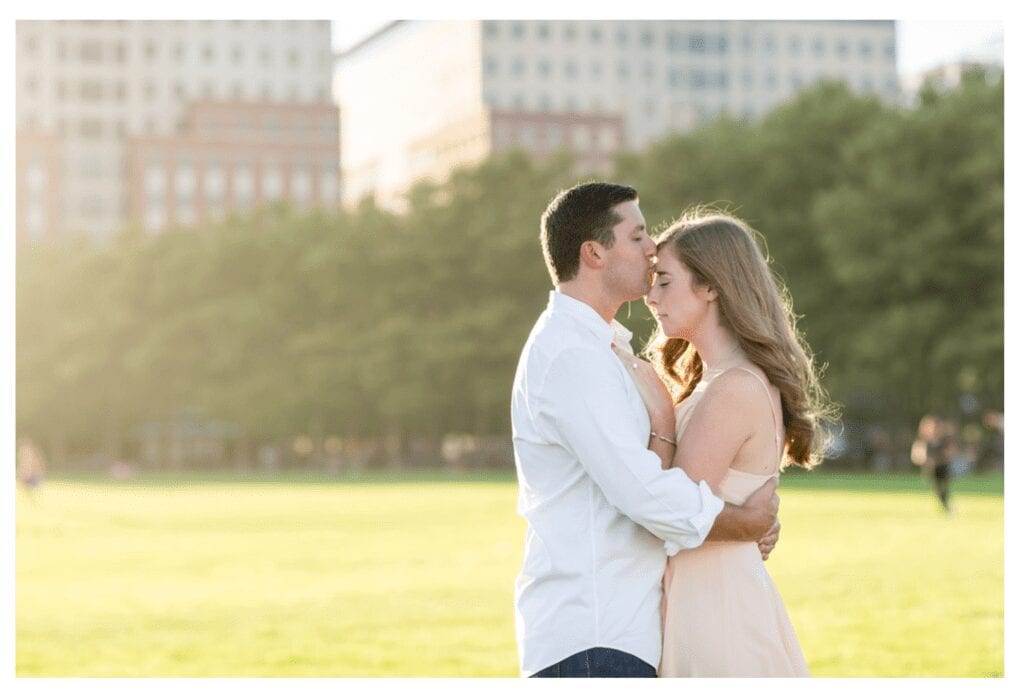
<point x="986" y="57"/>
<point x="419" y="98"/>
<point x="169" y="122"/>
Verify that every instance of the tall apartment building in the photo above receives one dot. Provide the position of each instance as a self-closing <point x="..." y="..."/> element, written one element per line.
<point x="421" y="97"/>
<point x="169" y="122"/>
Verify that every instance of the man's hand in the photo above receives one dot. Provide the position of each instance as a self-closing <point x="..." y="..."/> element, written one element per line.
<point x="767" y="543"/>
<point x="762" y="508"/>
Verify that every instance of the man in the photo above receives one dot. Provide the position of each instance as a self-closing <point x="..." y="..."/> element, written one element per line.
<point x="600" y="511"/>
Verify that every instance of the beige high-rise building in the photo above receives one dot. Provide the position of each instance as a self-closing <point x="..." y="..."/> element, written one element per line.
<point x="169" y="122"/>
<point x="421" y="97"/>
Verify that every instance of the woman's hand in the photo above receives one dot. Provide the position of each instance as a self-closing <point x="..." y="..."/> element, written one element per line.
<point x="653" y="391"/>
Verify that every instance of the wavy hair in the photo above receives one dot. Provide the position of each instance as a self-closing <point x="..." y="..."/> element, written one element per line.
<point x="754" y="305"/>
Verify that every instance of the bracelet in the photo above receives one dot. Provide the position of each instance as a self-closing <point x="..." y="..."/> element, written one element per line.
<point x="663" y="438"/>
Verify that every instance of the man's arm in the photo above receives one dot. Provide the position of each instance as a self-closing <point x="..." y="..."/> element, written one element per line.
<point x="583" y="405"/>
<point x="751" y="521"/>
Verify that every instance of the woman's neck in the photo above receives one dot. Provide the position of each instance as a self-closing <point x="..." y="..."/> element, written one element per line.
<point x="719" y="350"/>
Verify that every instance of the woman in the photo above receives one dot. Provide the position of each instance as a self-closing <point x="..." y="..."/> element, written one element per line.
<point x="747" y="403"/>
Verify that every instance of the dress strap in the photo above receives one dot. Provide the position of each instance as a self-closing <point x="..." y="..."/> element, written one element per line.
<point x="771" y="407"/>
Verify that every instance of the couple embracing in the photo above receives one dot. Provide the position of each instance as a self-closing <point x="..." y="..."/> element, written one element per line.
<point x="623" y="461"/>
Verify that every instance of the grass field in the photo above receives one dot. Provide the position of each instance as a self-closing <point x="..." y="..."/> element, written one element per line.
<point x="385" y="577"/>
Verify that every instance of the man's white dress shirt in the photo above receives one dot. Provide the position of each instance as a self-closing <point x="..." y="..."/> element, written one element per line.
<point x="600" y="511"/>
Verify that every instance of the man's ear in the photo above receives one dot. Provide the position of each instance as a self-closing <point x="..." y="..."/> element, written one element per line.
<point x="592" y="254"/>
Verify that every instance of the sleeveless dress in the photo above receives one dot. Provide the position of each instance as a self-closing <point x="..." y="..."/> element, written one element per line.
<point x="722" y="615"/>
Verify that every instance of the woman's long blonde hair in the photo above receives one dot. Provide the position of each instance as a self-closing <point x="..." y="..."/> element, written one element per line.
<point x="754" y="305"/>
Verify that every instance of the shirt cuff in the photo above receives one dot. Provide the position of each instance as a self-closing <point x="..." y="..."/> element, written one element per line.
<point x="701" y="522"/>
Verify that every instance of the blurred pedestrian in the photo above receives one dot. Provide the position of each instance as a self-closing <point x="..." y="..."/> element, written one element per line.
<point x="31" y="466"/>
<point x="932" y="451"/>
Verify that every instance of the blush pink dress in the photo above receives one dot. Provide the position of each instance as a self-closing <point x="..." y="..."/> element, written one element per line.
<point x="722" y="615"/>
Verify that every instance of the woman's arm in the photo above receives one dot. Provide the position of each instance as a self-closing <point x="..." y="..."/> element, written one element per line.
<point x="659" y="405"/>
<point x="721" y="423"/>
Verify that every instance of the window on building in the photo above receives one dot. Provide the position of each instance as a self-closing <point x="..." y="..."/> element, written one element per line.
<point x="207" y="54"/>
<point x="543" y="31"/>
<point x="329" y="185"/>
<point x="90" y="128"/>
<point x="544" y="68"/>
<point x="596" y="35"/>
<point x="243" y="185"/>
<point x="698" y="79"/>
<point x="770" y="79"/>
<point x="90" y="51"/>
<point x="184" y="181"/>
<point x="842" y="48"/>
<point x="796" y="46"/>
<point x="723" y="44"/>
<point x="622" y="36"/>
<point x="554" y="136"/>
<point x="517" y="30"/>
<point x="294" y="58"/>
<point x="697" y="43"/>
<point x="581" y="137"/>
<point x="544" y="103"/>
<point x="527" y="135"/>
<point x="265" y="56"/>
<point x="90" y="90"/>
<point x="236" y="55"/>
<point x="796" y="81"/>
<point x="120" y="52"/>
<point x="179" y="52"/>
<point x="491" y="66"/>
<point x="519" y="102"/>
<point x="768" y="43"/>
<point x="150" y="51"/>
<point x="747" y="79"/>
<point x="272" y="182"/>
<point x="571" y="69"/>
<point x="491" y="28"/>
<point x="890" y="49"/>
<point x="647" y="38"/>
<point x="301" y="186"/>
<point x="237" y="91"/>
<point x="569" y="34"/>
<point x="596" y="70"/>
<point x="156" y="180"/>
<point x="121" y="90"/>
<point x="31" y="45"/>
<point x="818" y="47"/>
<point x="676" y="77"/>
<point x="747" y="43"/>
<point x="867" y="84"/>
<point x="866" y="49"/>
<point x="623" y="70"/>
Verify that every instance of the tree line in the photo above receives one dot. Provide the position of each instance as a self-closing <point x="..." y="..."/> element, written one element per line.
<point x="885" y="222"/>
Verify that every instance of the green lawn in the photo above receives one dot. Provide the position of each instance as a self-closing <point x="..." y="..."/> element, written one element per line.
<point x="374" y="576"/>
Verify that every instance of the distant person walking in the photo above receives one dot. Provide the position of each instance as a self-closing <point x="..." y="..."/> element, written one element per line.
<point x="31" y="465"/>
<point x="932" y="451"/>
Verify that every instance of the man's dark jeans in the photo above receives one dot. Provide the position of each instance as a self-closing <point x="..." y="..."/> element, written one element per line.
<point x="599" y="663"/>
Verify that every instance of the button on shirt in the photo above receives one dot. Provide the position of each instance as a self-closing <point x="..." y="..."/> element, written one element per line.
<point x="601" y="513"/>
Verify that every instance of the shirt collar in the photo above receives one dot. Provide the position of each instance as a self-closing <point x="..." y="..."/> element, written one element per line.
<point x="559" y="303"/>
